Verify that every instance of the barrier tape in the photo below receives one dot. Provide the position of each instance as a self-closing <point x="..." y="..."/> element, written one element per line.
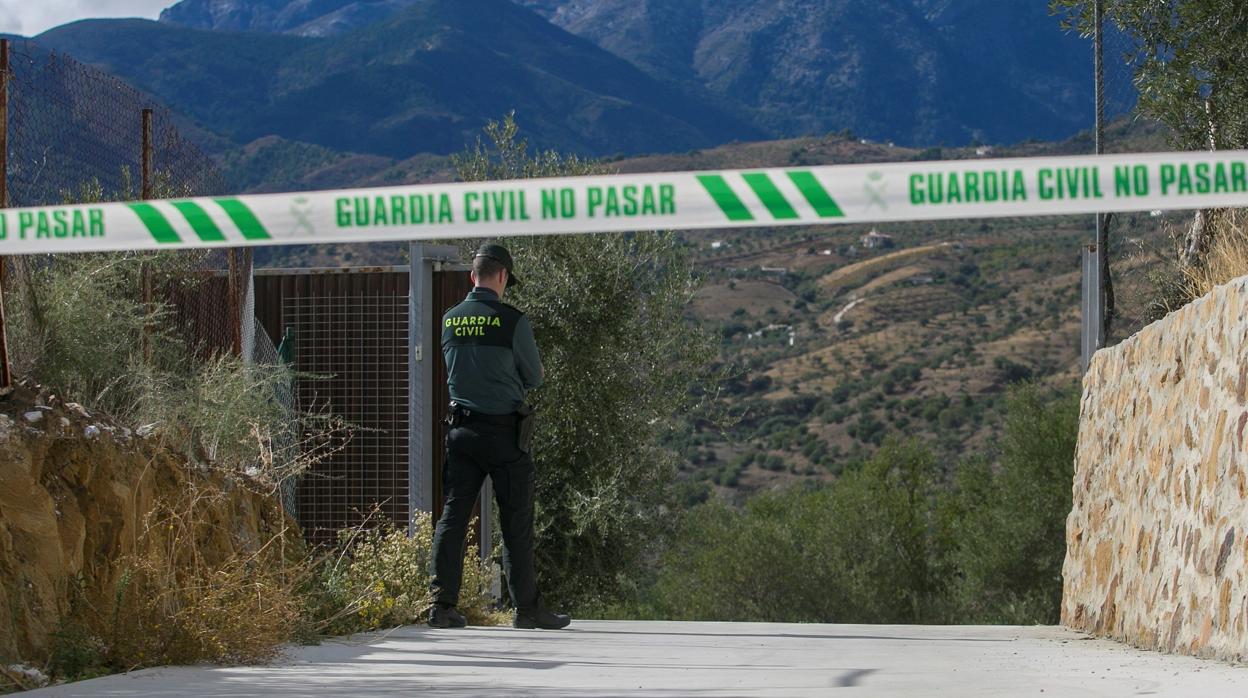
<point x="874" y="193"/>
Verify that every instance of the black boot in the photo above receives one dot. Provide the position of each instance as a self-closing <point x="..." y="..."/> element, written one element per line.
<point x="445" y="617"/>
<point x="541" y="618"/>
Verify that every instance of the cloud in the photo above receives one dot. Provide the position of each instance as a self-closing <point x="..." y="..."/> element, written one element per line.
<point x="31" y="18"/>
<point x="10" y="23"/>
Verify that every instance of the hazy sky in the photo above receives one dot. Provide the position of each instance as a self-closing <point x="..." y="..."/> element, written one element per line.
<point x="30" y="17"/>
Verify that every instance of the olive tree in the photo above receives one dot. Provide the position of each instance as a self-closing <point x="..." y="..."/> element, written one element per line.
<point x="1188" y="59"/>
<point x="622" y="366"/>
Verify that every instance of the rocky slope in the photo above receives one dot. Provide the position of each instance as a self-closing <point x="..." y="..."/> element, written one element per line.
<point x="300" y="17"/>
<point x="75" y="501"/>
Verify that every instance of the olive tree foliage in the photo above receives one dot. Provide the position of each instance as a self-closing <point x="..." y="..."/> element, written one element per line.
<point x="1189" y="58"/>
<point x="621" y="364"/>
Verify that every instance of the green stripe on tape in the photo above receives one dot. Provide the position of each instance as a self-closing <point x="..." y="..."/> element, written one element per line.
<point x="816" y="195"/>
<point x="247" y="223"/>
<point x="156" y="223"/>
<point x="725" y="198"/>
<point x="201" y="223"/>
<point x="770" y="196"/>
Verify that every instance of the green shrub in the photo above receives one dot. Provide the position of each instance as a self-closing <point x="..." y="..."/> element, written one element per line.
<point x="1009" y="522"/>
<point x="890" y="541"/>
<point x="864" y="550"/>
<point x="78" y="324"/>
<point x="379" y="578"/>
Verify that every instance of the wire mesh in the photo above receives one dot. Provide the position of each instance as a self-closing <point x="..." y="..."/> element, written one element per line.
<point x="75" y="132"/>
<point x="264" y="352"/>
<point x="352" y="360"/>
<point x="1118" y="74"/>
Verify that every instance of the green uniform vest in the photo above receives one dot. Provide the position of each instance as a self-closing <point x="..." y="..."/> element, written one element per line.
<point x="491" y="356"/>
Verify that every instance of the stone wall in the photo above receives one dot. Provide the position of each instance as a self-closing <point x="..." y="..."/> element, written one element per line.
<point x="1157" y="542"/>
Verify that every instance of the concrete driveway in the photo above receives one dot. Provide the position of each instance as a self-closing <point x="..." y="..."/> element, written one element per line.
<point x="612" y="658"/>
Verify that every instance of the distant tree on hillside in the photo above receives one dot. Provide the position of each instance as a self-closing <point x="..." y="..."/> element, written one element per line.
<point x="895" y="539"/>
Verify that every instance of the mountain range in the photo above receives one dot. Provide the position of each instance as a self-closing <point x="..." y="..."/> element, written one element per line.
<point x="913" y="71"/>
<point x="299" y="17"/>
<point x="400" y="77"/>
<point x="422" y="80"/>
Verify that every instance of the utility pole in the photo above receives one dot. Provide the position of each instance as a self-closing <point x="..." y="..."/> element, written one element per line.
<point x="1090" y="263"/>
<point x="1098" y="290"/>
<point x="1102" y="219"/>
<point x="6" y="374"/>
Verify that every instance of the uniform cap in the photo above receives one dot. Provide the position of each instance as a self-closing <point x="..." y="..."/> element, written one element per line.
<point x="499" y="254"/>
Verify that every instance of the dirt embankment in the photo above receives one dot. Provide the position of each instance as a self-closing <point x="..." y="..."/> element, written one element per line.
<point x="76" y="498"/>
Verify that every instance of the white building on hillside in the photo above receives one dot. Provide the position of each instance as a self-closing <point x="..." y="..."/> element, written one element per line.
<point x="875" y="240"/>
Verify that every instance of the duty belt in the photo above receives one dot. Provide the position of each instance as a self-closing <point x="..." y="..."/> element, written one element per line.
<point x="463" y="414"/>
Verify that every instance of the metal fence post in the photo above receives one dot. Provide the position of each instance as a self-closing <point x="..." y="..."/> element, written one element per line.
<point x="239" y="284"/>
<point x="1091" y="306"/>
<point x="147" y="154"/>
<point x="4" y="123"/>
<point x="146" y="269"/>
<point x="6" y="375"/>
<point x="423" y="352"/>
<point x="1093" y="331"/>
<point x="419" y="377"/>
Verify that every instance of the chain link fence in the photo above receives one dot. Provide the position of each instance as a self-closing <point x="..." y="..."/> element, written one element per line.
<point x="77" y="133"/>
<point x="74" y="134"/>
<point x="70" y="133"/>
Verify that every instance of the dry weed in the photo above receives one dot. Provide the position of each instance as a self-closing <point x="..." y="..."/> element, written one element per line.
<point x="1167" y="283"/>
<point x="1226" y="258"/>
<point x="195" y="592"/>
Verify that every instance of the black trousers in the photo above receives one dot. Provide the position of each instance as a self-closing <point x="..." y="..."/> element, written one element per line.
<point x="473" y="451"/>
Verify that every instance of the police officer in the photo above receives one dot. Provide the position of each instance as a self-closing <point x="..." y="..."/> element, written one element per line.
<point x="491" y="362"/>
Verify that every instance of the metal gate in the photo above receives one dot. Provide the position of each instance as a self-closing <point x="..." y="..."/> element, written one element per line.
<point x="367" y="350"/>
<point x="350" y="331"/>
